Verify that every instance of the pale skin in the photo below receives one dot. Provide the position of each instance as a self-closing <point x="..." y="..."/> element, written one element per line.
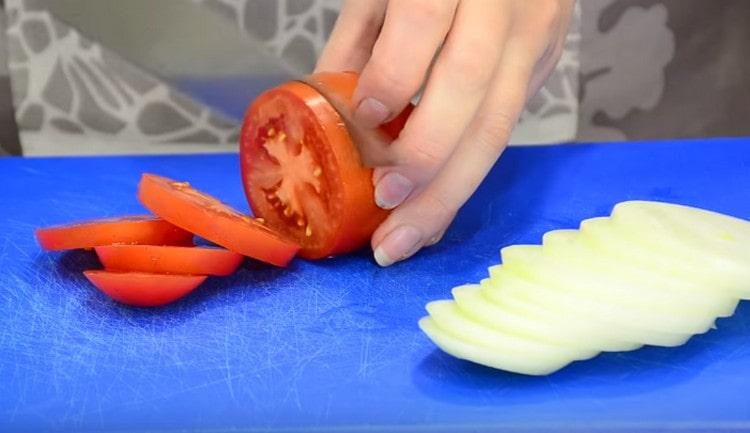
<point x="476" y="62"/>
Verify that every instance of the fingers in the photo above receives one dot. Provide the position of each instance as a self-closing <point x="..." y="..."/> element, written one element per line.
<point x="457" y="85"/>
<point x="412" y="33"/>
<point x="548" y="61"/>
<point x="476" y="89"/>
<point x="423" y="218"/>
<point x="353" y="36"/>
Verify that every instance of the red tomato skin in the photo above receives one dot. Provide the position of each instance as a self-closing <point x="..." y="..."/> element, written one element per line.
<point x="140" y="289"/>
<point x="130" y="230"/>
<point x="169" y="260"/>
<point x="207" y="217"/>
<point x="358" y="215"/>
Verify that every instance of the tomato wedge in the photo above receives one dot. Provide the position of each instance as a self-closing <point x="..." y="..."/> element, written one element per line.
<point x="301" y="170"/>
<point x="142" y="289"/>
<point x="169" y="260"/>
<point x="124" y="230"/>
<point x="199" y="213"/>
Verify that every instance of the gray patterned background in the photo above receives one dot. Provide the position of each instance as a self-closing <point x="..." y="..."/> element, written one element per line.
<point x="82" y="84"/>
<point x="665" y="68"/>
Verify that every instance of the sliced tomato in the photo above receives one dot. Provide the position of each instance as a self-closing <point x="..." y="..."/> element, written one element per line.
<point x="125" y="230"/>
<point x="142" y="289"/>
<point x="302" y="172"/>
<point x="204" y="215"/>
<point x="169" y="260"/>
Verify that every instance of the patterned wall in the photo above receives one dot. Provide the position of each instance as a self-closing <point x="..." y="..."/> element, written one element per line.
<point x="631" y="69"/>
<point x="664" y="69"/>
<point x="73" y="95"/>
<point x="296" y="31"/>
<point x="609" y="66"/>
<point x="9" y="142"/>
<point x="80" y="97"/>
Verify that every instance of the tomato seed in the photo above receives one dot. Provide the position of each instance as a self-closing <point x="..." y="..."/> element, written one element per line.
<point x="317" y="171"/>
<point x="308" y="231"/>
<point x="271" y="132"/>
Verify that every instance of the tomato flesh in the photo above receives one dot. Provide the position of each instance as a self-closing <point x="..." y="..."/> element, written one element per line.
<point x="204" y="215"/>
<point x="169" y="260"/>
<point x="125" y="230"/>
<point x="141" y="289"/>
<point x="302" y="172"/>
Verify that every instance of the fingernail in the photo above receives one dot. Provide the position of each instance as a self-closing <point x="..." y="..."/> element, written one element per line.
<point x="371" y="113"/>
<point x="400" y="244"/>
<point x="391" y="190"/>
<point x="382" y="258"/>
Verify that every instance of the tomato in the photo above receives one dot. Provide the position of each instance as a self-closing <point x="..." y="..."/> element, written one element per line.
<point x="169" y="260"/>
<point x="301" y="170"/>
<point x="124" y="230"/>
<point x="209" y="218"/>
<point x="142" y="289"/>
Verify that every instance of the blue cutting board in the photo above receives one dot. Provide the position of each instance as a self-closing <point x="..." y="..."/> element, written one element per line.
<point x="334" y="345"/>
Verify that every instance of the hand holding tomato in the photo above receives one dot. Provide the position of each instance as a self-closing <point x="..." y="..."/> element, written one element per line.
<point x="478" y="61"/>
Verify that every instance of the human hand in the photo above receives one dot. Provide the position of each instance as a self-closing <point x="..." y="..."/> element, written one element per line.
<point x="477" y="61"/>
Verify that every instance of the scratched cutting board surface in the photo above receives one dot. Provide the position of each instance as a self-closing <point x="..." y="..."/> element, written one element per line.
<point x="334" y="345"/>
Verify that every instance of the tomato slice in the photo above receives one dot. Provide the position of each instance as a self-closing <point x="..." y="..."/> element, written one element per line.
<point x="142" y="289"/>
<point x="202" y="214"/>
<point x="302" y="172"/>
<point x="124" y="230"/>
<point x="169" y="260"/>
